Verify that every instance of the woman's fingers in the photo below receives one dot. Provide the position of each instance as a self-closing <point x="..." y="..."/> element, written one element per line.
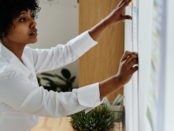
<point x="134" y="69"/>
<point x="123" y="6"/>
<point x="126" y="17"/>
<point x="121" y="2"/>
<point x="126" y="54"/>
<point x="116" y="15"/>
<point x="132" y="63"/>
<point x="130" y="58"/>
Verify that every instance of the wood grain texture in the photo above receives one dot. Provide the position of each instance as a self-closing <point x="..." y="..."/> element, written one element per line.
<point x="53" y="124"/>
<point x="102" y="61"/>
<point x="59" y="124"/>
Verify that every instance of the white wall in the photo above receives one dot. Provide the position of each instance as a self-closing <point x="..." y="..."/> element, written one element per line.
<point x="145" y="29"/>
<point x="169" y="88"/>
<point x="128" y="87"/>
<point x="57" y="24"/>
<point x="144" y="41"/>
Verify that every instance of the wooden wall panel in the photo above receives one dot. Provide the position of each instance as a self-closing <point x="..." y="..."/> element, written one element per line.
<point x="102" y="61"/>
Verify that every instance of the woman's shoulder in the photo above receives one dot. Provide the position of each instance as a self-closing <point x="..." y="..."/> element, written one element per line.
<point x="5" y="68"/>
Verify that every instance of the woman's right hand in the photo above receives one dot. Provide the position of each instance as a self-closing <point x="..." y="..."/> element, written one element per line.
<point x="127" y="67"/>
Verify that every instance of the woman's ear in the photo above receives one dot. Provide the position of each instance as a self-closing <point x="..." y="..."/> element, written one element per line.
<point x="3" y="34"/>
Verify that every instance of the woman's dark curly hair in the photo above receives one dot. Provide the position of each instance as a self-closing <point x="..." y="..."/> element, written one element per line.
<point x="10" y="9"/>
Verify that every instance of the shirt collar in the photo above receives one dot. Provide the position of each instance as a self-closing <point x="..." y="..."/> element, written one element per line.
<point x="12" y="59"/>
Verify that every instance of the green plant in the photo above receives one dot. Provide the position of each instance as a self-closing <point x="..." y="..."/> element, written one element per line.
<point x="99" y="119"/>
<point x="55" y="85"/>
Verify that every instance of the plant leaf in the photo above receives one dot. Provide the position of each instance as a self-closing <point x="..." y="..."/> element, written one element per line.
<point x="64" y="88"/>
<point x="38" y="79"/>
<point x="47" y="74"/>
<point x="47" y="88"/>
<point x="66" y="73"/>
<point x="72" y="79"/>
<point x="98" y="119"/>
<point x="60" y="77"/>
<point x="44" y="78"/>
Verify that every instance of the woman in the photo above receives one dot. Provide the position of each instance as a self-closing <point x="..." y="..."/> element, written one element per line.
<point x="22" y="101"/>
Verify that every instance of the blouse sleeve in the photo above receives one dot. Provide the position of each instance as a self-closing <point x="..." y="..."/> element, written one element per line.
<point x="19" y="93"/>
<point x="61" y="55"/>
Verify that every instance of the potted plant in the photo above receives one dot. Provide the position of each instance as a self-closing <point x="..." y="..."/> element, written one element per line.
<point x="99" y="119"/>
<point x="116" y="106"/>
<point x="55" y="85"/>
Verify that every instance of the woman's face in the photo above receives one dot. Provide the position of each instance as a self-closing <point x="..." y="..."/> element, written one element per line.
<point x="24" y="26"/>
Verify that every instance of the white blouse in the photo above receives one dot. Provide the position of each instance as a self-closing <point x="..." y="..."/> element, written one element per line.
<point x="23" y="102"/>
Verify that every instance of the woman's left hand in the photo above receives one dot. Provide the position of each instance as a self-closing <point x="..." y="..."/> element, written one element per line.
<point x="114" y="17"/>
<point x="117" y="14"/>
